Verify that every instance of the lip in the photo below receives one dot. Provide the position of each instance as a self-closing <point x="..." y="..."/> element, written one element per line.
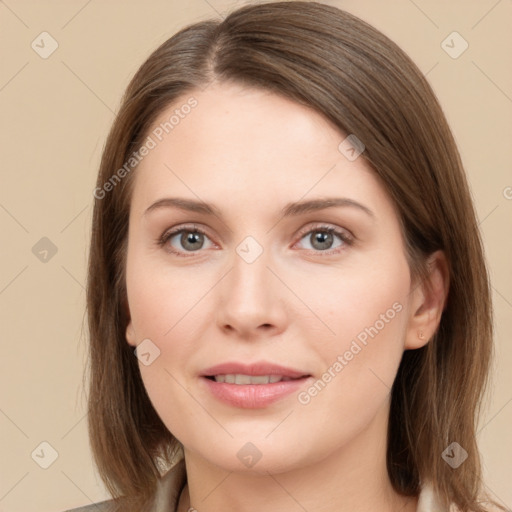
<point x="259" y="368"/>
<point x="253" y="396"/>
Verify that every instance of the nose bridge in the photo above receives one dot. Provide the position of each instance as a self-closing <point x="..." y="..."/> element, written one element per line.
<point x="250" y="276"/>
<point x="249" y="296"/>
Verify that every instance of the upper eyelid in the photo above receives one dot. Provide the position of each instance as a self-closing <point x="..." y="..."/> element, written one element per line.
<point x="190" y="228"/>
<point x="323" y="225"/>
<point x="316" y="225"/>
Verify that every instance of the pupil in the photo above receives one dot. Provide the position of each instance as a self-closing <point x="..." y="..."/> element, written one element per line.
<point x="324" y="239"/>
<point x="191" y="240"/>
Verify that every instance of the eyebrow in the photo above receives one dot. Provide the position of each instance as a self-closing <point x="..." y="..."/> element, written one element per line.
<point x="290" y="210"/>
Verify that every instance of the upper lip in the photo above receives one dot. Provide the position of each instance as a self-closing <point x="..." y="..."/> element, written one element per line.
<point x="258" y="368"/>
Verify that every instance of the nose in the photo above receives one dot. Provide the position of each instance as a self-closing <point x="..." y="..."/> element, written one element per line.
<point x="251" y="298"/>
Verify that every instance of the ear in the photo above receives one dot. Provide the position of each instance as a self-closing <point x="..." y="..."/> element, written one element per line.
<point x="131" y="338"/>
<point x="130" y="334"/>
<point x="428" y="300"/>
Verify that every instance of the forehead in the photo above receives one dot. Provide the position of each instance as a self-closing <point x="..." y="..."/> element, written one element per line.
<point x="245" y="145"/>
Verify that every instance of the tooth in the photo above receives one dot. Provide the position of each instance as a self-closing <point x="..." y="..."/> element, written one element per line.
<point x="242" y="379"/>
<point x="260" y="379"/>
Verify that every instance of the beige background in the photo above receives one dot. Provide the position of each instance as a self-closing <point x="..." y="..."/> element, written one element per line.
<point x="55" y="116"/>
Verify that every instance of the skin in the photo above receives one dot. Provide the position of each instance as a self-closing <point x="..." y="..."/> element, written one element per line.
<point x="250" y="152"/>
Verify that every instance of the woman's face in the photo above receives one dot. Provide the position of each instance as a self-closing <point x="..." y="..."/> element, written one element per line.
<point x="268" y="283"/>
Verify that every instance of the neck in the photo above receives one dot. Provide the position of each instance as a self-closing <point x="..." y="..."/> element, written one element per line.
<point x="351" y="478"/>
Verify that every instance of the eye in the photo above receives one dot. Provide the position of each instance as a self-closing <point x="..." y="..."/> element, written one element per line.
<point x="185" y="239"/>
<point x="191" y="239"/>
<point x="324" y="238"/>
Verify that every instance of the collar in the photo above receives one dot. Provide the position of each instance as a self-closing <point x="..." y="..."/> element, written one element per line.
<point x="428" y="501"/>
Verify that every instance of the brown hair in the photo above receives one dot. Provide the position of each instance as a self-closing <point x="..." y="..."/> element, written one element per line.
<point x="366" y="85"/>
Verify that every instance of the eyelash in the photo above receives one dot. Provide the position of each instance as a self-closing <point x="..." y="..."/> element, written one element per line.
<point x="347" y="239"/>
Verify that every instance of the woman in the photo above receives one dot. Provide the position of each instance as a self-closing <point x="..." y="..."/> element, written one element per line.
<point x="288" y="302"/>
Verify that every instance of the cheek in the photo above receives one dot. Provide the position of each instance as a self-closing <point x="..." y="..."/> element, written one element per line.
<point x="360" y="301"/>
<point x="162" y="298"/>
<point x="367" y="310"/>
<point x="164" y="313"/>
<point x="167" y="306"/>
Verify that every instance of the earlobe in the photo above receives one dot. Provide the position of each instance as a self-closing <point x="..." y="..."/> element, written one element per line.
<point x="130" y="334"/>
<point x="130" y="331"/>
<point x="428" y="302"/>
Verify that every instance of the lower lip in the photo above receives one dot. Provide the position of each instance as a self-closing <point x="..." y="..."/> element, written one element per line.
<point x="253" y="396"/>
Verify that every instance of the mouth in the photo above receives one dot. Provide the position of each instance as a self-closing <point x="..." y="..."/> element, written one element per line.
<point x="252" y="386"/>
<point x="240" y="373"/>
<point x="241" y="379"/>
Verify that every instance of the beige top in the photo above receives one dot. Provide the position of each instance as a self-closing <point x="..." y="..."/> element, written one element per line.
<point x="172" y="483"/>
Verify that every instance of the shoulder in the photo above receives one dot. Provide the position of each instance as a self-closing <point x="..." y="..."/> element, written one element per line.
<point x="103" y="506"/>
<point x="165" y="500"/>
